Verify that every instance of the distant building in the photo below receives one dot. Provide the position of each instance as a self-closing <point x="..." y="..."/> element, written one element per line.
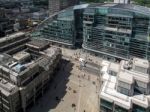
<point x="6" y="24"/>
<point x="122" y="1"/>
<point x="126" y="86"/>
<point x="40" y="15"/>
<point x="25" y="74"/>
<point x="13" y="42"/>
<point x="57" y="5"/>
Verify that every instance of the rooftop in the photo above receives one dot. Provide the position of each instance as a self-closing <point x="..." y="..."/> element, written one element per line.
<point x="21" y="55"/>
<point x="110" y="93"/>
<point x="38" y="44"/>
<point x="114" y="67"/>
<point x="7" y="88"/>
<point x="133" y="7"/>
<point x="125" y="77"/>
<point x="141" y="62"/>
<point x="9" y="37"/>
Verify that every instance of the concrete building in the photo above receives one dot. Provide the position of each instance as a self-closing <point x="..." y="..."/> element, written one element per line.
<point x="57" y="5"/>
<point x="126" y="86"/>
<point x="39" y="16"/>
<point x="122" y="1"/>
<point x="13" y="42"/>
<point x="25" y="72"/>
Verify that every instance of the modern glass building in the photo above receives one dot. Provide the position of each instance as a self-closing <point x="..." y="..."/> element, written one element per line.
<point x="65" y="27"/>
<point x="61" y="29"/>
<point x="117" y="30"/>
<point x="120" y="31"/>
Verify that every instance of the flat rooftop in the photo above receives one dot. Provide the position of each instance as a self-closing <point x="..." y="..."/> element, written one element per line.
<point x="21" y="55"/>
<point x="38" y="43"/>
<point x="110" y="93"/>
<point x="141" y="62"/>
<point x="125" y="77"/>
<point x="7" y="88"/>
<point x="9" y="37"/>
<point x="114" y="67"/>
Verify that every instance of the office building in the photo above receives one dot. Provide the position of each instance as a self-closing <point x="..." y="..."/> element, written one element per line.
<point x="126" y="86"/>
<point x="113" y="31"/>
<point x="63" y="28"/>
<point x="57" y="5"/>
<point x="25" y="72"/>
<point x="117" y="30"/>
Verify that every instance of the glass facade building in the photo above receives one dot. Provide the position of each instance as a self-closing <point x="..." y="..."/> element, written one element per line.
<point x="61" y="29"/>
<point x="120" y="31"/>
<point x="65" y="27"/>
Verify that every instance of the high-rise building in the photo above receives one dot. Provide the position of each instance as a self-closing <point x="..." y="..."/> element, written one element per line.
<point x="117" y="30"/>
<point x="57" y="5"/>
<point x="126" y="86"/>
<point x="25" y="74"/>
<point x="113" y="31"/>
<point x="64" y="28"/>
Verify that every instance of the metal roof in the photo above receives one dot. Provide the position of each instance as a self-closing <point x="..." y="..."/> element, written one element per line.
<point x="131" y="7"/>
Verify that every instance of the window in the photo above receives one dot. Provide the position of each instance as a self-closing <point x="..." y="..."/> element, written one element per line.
<point x="123" y="90"/>
<point x="141" y="84"/>
<point x="120" y="109"/>
<point x="141" y="69"/>
<point x="106" y="104"/>
<point x="124" y="85"/>
<point x="137" y="108"/>
<point x="112" y="73"/>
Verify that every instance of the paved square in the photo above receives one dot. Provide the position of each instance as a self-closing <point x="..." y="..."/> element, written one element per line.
<point x="72" y="90"/>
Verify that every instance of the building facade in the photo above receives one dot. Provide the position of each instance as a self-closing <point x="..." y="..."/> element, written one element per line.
<point x="13" y="42"/>
<point x="113" y="31"/>
<point x="65" y="27"/>
<point x="126" y="86"/>
<point x="120" y="31"/>
<point x="122" y="1"/>
<point x="25" y="75"/>
<point x="6" y="24"/>
<point x="57" y="5"/>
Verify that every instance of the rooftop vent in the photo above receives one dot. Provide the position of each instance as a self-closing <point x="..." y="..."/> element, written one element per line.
<point x="128" y="65"/>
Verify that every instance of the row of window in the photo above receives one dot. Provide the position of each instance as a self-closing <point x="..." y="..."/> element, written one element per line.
<point x="107" y="106"/>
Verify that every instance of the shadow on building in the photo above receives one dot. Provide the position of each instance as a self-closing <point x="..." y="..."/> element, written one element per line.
<point x="56" y="90"/>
